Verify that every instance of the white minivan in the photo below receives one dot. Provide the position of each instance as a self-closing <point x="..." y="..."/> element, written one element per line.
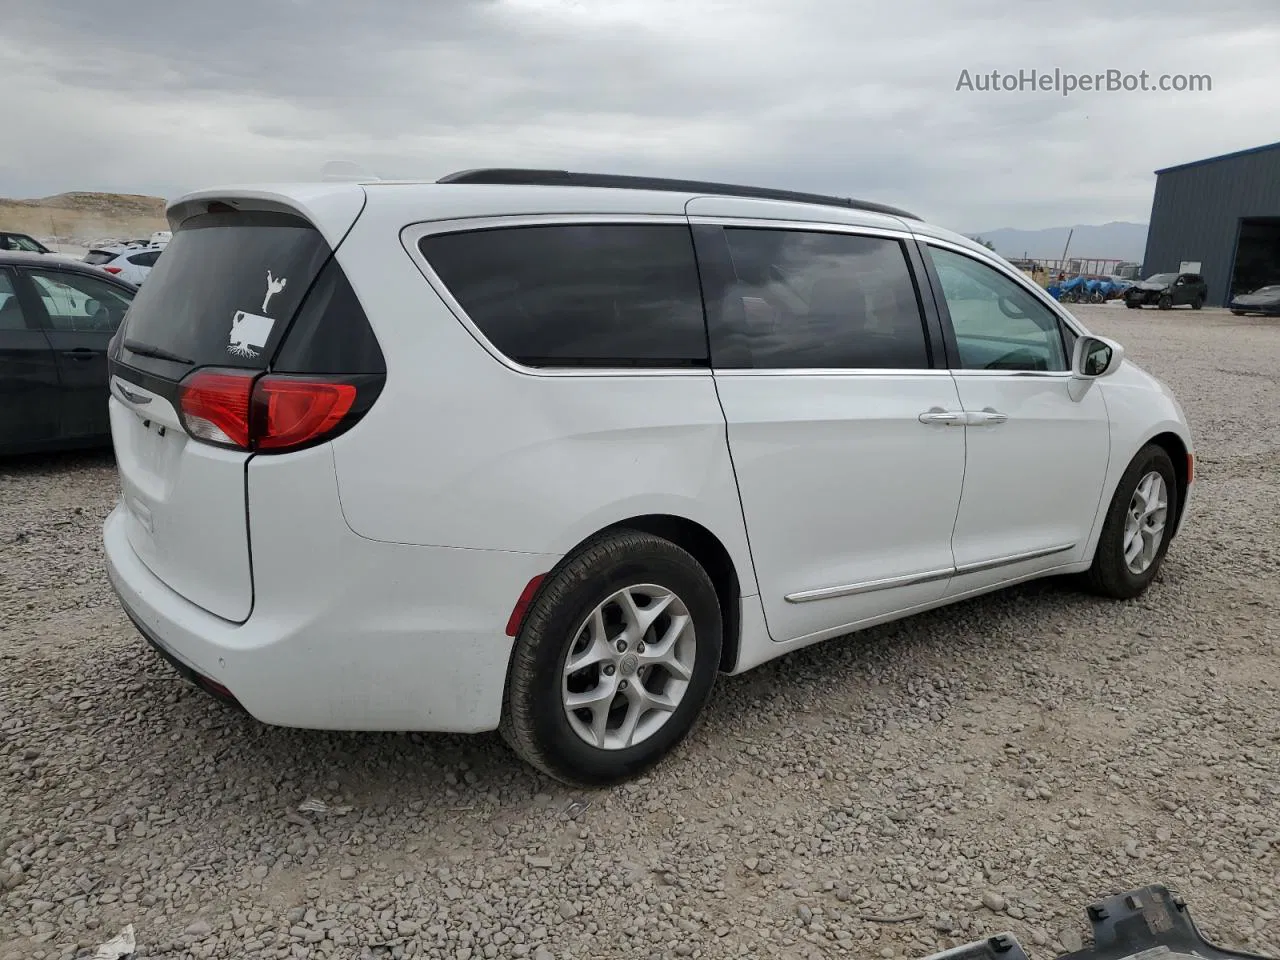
<point x="547" y="452"/>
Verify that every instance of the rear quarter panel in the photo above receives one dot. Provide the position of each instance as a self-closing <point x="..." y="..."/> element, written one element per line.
<point x="461" y="450"/>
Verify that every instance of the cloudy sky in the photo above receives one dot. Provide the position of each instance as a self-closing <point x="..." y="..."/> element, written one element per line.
<point x="843" y="96"/>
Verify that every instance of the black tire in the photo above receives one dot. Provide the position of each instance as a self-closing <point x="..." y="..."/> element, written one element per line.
<point x="1197" y="303"/>
<point x="1133" y="306"/>
<point x="1110" y="576"/>
<point x="1166" y="302"/>
<point x="535" y="723"/>
<point x="1238" y="313"/>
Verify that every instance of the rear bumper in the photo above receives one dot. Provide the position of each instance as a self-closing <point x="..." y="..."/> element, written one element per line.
<point x="346" y="633"/>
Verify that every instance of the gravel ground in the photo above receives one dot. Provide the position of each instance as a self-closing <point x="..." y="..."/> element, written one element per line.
<point x="993" y="766"/>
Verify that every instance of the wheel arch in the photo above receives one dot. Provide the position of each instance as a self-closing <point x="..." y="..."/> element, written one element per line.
<point x="1176" y="447"/>
<point x="710" y="552"/>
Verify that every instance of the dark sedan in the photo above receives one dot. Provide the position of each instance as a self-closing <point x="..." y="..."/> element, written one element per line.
<point x="56" y="319"/>
<point x="1168" y="290"/>
<point x="1264" y="300"/>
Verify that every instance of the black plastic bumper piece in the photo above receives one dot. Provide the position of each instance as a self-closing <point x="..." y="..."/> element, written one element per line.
<point x="1125" y="925"/>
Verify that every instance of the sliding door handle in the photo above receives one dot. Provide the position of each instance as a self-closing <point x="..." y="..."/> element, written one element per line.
<point x="945" y="418"/>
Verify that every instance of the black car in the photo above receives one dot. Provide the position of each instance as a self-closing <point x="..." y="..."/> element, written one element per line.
<point x="1264" y="300"/>
<point x="21" y="243"/>
<point x="1168" y="290"/>
<point x="56" y="319"/>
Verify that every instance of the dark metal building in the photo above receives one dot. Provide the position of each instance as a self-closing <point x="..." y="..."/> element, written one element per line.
<point x="1223" y="213"/>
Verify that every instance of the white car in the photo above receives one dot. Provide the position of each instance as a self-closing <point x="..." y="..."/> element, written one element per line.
<point x="131" y="263"/>
<point x="546" y="452"/>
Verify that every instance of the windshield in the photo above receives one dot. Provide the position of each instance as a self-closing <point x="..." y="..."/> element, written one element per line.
<point x="1271" y="290"/>
<point x="1162" y="278"/>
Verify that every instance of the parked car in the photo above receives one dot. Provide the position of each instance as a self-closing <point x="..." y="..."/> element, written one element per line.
<point x="1264" y="300"/>
<point x="21" y="243"/>
<point x="547" y="452"/>
<point x="1168" y="290"/>
<point x="56" y="318"/>
<point x="132" y="264"/>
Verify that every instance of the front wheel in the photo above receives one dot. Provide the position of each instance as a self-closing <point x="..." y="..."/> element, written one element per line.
<point x="614" y="662"/>
<point x="1166" y="302"/>
<point x="1135" y="534"/>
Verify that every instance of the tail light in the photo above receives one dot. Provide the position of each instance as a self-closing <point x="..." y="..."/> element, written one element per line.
<point x="113" y="270"/>
<point x="272" y="413"/>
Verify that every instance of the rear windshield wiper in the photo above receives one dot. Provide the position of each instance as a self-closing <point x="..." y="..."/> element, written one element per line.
<point x="159" y="353"/>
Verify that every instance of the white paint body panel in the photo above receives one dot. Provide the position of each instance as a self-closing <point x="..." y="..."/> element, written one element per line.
<point x="1032" y="483"/>
<point x="386" y="563"/>
<point x="842" y="484"/>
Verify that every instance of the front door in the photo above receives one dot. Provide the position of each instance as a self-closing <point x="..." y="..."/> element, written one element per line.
<point x="1037" y="455"/>
<point x="29" y="402"/>
<point x="83" y="313"/>
<point x="824" y="371"/>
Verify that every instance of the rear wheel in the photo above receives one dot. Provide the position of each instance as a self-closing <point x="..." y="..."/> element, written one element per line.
<point x="1135" y="534"/>
<point x="1166" y="302"/>
<point x="614" y="661"/>
<point x="1133" y="306"/>
<point x="1197" y="303"/>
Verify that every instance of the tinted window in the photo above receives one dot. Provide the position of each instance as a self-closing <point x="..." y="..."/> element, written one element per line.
<point x="11" y="317"/>
<point x="79" y="303"/>
<point x="999" y="325"/>
<point x="331" y="333"/>
<point x="96" y="257"/>
<point x="145" y="259"/>
<point x="801" y="299"/>
<point x="208" y="299"/>
<point x="581" y="294"/>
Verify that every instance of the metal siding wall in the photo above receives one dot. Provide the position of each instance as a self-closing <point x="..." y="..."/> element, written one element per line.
<point x="1196" y="213"/>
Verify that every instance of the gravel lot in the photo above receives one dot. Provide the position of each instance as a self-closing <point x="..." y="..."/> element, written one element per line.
<point x="996" y="765"/>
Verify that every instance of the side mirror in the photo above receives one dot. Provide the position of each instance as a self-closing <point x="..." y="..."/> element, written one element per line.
<point x="1095" y="357"/>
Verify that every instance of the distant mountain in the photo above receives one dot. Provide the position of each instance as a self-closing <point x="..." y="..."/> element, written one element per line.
<point x="82" y="215"/>
<point x="1117" y="240"/>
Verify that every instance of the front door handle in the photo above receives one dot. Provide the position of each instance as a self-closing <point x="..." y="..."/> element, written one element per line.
<point x="987" y="418"/>
<point x="79" y="353"/>
<point x="946" y="418"/>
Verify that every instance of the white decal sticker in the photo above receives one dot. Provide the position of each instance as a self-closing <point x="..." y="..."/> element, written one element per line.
<point x="249" y="333"/>
<point x="274" y="286"/>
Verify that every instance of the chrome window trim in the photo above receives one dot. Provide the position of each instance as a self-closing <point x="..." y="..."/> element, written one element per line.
<point x="927" y="576"/>
<point x="808" y="226"/>
<point x="832" y="372"/>
<point x="411" y="234"/>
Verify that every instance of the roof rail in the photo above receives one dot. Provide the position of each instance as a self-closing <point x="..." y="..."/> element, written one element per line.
<point x="564" y="178"/>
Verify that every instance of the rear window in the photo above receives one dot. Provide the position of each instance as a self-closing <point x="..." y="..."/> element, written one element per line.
<point x="97" y="257"/>
<point x="226" y="288"/>
<point x="579" y="294"/>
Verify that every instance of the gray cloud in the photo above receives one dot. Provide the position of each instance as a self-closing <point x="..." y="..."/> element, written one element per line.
<point x="848" y="97"/>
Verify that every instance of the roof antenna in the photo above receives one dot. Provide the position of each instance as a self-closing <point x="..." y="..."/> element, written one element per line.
<point x="344" y="171"/>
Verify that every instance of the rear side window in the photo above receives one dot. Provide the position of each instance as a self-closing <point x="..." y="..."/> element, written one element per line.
<point x="97" y="257"/>
<point x="147" y="259"/>
<point x="802" y="299"/>
<point x="579" y="294"/>
<point x="226" y="288"/>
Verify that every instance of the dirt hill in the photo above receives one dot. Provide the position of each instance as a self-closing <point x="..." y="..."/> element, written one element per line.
<point x="81" y="216"/>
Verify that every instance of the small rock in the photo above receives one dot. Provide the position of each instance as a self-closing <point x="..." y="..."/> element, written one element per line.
<point x="1071" y="939"/>
<point x="567" y="910"/>
<point x="406" y="928"/>
<point x="199" y="930"/>
<point x="764" y="866"/>
<point x="994" y="902"/>
<point x="347" y="873"/>
<point x="540" y="863"/>
<point x="804" y="913"/>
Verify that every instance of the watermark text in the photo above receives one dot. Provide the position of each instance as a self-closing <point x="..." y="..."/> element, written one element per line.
<point x="1066" y="83"/>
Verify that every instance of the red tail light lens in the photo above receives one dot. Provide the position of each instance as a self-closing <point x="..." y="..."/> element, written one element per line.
<point x="289" y="412"/>
<point x="248" y="411"/>
<point x="523" y="602"/>
<point x="215" y="407"/>
<point x="113" y="269"/>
